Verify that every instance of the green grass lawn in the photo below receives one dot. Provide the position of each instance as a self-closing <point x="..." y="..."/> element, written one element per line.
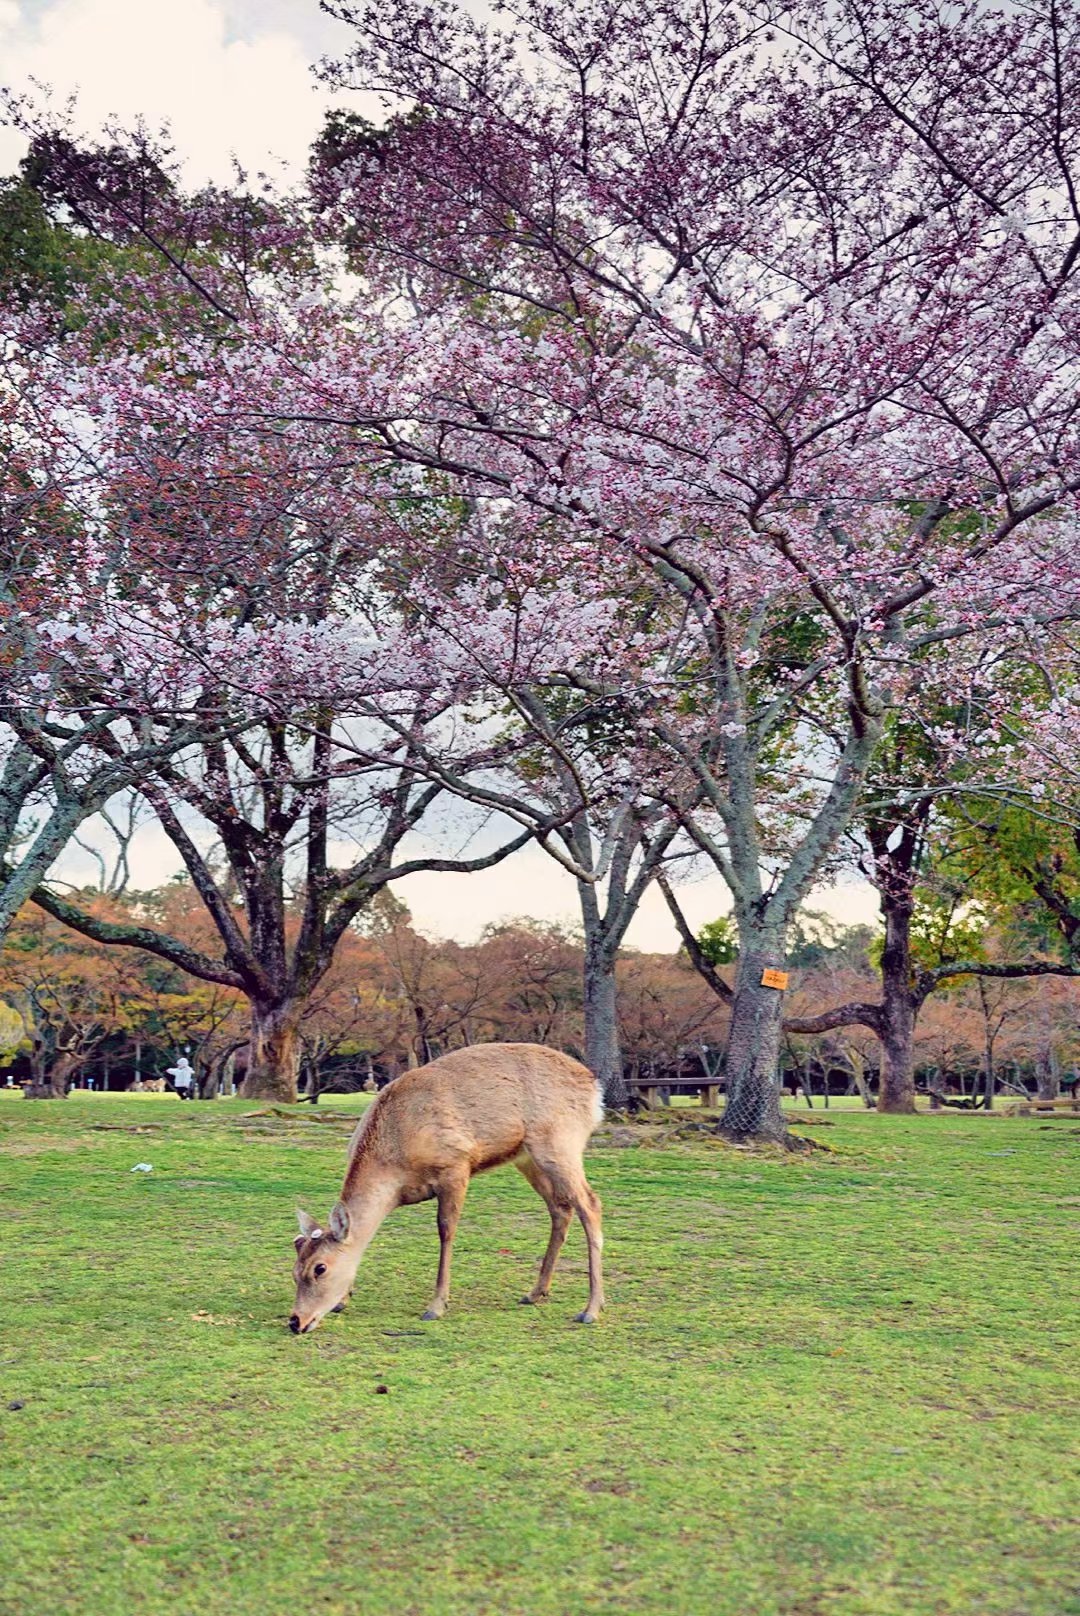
<point x="838" y="1383"/>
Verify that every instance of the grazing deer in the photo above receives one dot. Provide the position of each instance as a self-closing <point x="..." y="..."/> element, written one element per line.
<point x="425" y="1136"/>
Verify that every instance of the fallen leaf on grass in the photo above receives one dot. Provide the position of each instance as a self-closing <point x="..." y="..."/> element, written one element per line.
<point x="202" y="1317"/>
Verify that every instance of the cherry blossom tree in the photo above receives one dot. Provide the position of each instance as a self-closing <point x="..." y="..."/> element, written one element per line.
<point x="793" y="328"/>
<point x="238" y="605"/>
<point x="302" y="766"/>
<point x="728" y="313"/>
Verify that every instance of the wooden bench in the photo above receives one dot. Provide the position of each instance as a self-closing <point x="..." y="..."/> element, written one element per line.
<point x="1062" y="1107"/>
<point x="648" y="1088"/>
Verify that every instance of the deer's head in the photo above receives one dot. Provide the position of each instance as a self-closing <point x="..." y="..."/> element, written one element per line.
<point x="324" y="1270"/>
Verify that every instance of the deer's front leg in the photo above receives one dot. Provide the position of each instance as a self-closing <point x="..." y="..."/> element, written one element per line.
<point x="451" y="1196"/>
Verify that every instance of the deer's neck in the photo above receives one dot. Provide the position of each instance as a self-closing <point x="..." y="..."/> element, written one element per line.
<point x="369" y="1195"/>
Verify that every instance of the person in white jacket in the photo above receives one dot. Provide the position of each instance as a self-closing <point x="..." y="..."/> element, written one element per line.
<point x="183" y="1078"/>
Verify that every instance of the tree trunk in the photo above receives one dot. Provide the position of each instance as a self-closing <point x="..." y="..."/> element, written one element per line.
<point x="208" y="1086"/>
<point x="989" y="1071"/>
<point x="602" y="1053"/>
<point x="858" y="1075"/>
<point x="1047" y="1075"/>
<point x="753" y="1050"/>
<point x="274" y="1060"/>
<point x="896" y="1090"/>
<point x="422" y="1046"/>
<point x="52" y="1084"/>
<point x="46" y="1088"/>
<point x="989" y="1077"/>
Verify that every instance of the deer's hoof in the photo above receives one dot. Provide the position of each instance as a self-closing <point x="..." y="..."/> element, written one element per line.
<point x="430" y="1314"/>
<point x="586" y="1317"/>
<point x="530" y="1300"/>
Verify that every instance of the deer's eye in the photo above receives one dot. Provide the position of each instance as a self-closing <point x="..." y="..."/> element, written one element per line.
<point x="320" y="1268"/>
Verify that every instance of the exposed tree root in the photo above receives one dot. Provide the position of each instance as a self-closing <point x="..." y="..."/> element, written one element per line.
<point x="650" y="1130"/>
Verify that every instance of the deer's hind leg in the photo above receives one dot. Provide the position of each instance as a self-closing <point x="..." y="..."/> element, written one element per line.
<point x="588" y="1208"/>
<point x="561" y="1213"/>
<point x="571" y="1191"/>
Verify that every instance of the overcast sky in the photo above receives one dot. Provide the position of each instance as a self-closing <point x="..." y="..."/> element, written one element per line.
<point x="233" y="77"/>
<point x="230" y="76"/>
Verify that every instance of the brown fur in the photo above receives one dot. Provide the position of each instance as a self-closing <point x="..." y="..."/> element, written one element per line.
<point x="429" y="1132"/>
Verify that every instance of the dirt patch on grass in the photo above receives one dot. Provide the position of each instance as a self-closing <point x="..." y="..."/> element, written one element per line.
<point x="44" y="1147"/>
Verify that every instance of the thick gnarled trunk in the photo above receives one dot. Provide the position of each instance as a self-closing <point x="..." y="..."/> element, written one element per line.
<point x="753" y="1050"/>
<point x="603" y="1055"/>
<point x="51" y="1087"/>
<point x="49" y="1080"/>
<point x="896" y="1092"/>
<point x="274" y="1053"/>
<point x="763" y="918"/>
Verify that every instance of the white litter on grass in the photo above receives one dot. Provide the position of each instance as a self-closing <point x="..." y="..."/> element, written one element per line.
<point x="142" y="1167"/>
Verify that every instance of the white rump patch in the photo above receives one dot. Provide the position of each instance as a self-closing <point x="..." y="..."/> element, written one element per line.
<point x="599" y="1113"/>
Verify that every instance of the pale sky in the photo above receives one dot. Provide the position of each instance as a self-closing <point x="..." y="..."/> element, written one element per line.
<point x="529" y="884"/>
<point x="229" y="76"/>
<point x="232" y="77"/>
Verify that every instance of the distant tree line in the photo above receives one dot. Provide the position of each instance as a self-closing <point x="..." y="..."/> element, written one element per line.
<point x="84" y="1013"/>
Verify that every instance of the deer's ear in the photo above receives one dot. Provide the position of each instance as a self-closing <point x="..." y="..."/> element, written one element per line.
<point x="307" y="1224"/>
<point x="339" y="1222"/>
